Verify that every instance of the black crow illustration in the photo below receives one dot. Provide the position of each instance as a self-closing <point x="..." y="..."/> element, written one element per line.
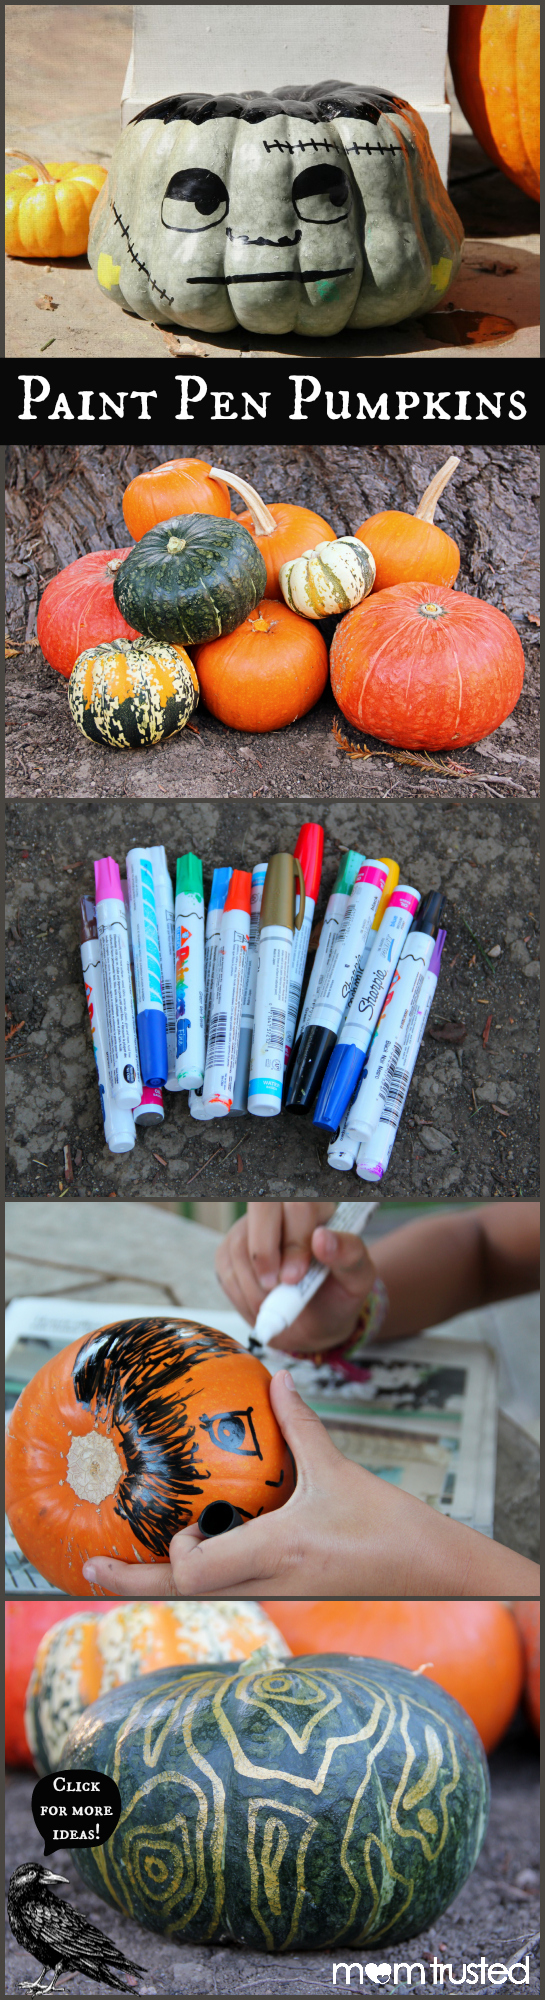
<point x="58" y="1937"/>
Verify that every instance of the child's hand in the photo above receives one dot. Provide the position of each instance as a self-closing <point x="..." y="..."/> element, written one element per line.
<point x="343" y="1533"/>
<point x="273" y="1243"/>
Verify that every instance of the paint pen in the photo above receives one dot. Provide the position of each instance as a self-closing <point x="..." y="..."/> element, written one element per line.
<point x="212" y="933"/>
<point x="391" y="883"/>
<point x="309" y="850"/>
<point x="343" y="1151"/>
<point x="150" y="1110"/>
<point x="277" y="921"/>
<point x="189" y="946"/>
<point x="226" y="1000"/>
<point x="164" y="911"/>
<point x="120" y="1018"/>
<point x="374" y="1154"/>
<point x="335" y="911"/>
<point x="117" y="1120"/>
<point x="282" y="1306"/>
<point x="385" y="1063"/>
<point x="346" y="1063"/>
<point x="240" y="1094"/>
<point x="150" y="1013"/>
<point x="335" y="987"/>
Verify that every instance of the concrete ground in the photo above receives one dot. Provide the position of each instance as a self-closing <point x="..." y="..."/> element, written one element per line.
<point x="70" y="105"/>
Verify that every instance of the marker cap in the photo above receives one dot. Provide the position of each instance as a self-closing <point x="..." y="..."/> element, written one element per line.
<point x="278" y="904"/>
<point x="429" y="915"/>
<point x="157" y="856"/>
<point x="88" y="920"/>
<point x="107" y="880"/>
<point x="309" y="850"/>
<point x="220" y="884"/>
<point x="152" y="1043"/>
<point x="189" y="876"/>
<point x="349" y="868"/>
<point x="150" y="1109"/>
<point x="343" y="1075"/>
<point x="435" y="960"/>
<point x="391" y="883"/>
<point x="239" y="893"/>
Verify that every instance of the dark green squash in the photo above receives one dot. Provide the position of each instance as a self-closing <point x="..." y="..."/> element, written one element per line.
<point x="330" y="1801"/>
<point x="192" y="578"/>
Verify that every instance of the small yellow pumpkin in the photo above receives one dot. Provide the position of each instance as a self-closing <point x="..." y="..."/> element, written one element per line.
<point x="131" y="694"/>
<point x="48" y="207"/>
<point x="330" y="578"/>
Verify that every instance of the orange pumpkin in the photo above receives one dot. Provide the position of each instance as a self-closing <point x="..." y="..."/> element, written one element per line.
<point x="26" y="1623"/>
<point x="409" y="548"/>
<point x="472" y="1648"/>
<point x="268" y="672"/>
<point x="122" y="1439"/>
<point x="426" y="668"/>
<point x="181" y="486"/>
<point x="494" y="53"/>
<point x="527" y="1616"/>
<point x="282" y="531"/>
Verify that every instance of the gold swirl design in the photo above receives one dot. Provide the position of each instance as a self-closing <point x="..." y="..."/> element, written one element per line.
<point x="275" y="1830"/>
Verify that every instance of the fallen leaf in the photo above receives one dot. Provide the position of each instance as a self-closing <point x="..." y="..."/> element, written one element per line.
<point x="11" y="651"/>
<point x="486" y="1029"/>
<point x="452" y="1031"/>
<point x="533" y="617"/>
<point x="13" y="1031"/>
<point x="46" y="303"/>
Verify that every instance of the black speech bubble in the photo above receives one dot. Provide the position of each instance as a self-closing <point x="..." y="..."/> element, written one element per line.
<point x="75" y="1809"/>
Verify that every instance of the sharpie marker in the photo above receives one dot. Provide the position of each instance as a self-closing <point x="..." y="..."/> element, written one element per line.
<point x="212" y="933"/>
<point x="277" y="923"/>
<point x="309" y="850"/>
<point x="346" y="1063"/>
<point x="189" y="946"/>
<point x="335" y="911"/>
<point x="226" y="1000"/>
<point x="124" y="1061"/>
<point x="240" y="1094"/>
<point x="150" y="1013"/>
<point x="150" y="1110"/>
<point x="335" y="987"/>
<point x="282" y="1306"/>
<point x="374" y="1154"/>
<point x="118" y="1121"/>
<point x="391" y="883"/>
<point x="164" y="911"/>
<point x="384" y="1064"/>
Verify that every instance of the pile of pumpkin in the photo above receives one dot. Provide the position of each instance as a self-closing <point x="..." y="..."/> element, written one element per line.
<point x="412" y="661"/>
<point x="380" y="1714"/>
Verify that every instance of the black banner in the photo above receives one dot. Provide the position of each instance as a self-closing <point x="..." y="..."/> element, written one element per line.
<point x="335" y="401"/>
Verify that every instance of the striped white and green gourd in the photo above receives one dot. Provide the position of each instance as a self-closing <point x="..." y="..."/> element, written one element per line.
<point x="333" y="577"/>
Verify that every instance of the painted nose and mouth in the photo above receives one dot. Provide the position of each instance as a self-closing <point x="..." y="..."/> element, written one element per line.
<point x="274" y="242"/>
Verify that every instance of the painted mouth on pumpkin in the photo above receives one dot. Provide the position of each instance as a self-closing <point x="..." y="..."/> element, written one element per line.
<point x="268" y="277"/>
<point x="274" y="242"/>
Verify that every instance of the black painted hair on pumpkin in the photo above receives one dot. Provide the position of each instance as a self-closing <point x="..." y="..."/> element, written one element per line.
<point x="320" y="103"/>
<point x="122" y="1373"/>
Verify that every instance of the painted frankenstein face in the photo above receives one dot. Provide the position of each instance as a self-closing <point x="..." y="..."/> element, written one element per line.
<point x="305" y="212"/>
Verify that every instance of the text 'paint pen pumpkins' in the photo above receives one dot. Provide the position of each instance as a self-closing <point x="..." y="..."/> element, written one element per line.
<point x="426" y="668"/>
<point x="329" y="1800"/>
<point x="267" y="673"/>
<point x="132" y="695"/>
<point x="78" y="609"/>
<point x="190" y="578"/>
<point x="121" y="1440"/>
<point x="310" y="210"/>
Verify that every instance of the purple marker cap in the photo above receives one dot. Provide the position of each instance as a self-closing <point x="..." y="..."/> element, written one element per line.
<point x="435" y="960"/>
<point x="108" y="880"/>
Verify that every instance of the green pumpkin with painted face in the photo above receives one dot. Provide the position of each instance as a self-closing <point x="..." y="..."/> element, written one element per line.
<point x="305" y="212"/>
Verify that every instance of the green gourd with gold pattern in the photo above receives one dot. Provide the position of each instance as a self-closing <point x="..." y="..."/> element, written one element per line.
<point x="323" y="1803"/>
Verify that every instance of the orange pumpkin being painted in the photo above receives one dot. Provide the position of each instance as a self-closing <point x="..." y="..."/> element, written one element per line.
<point x="122" y="1439"/>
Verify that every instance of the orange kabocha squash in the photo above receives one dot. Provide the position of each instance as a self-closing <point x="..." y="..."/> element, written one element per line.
<point x="282" y="531"/>
<point x="472" y="1648"/>
<point x="181" y="486"/>
<point x="426" y="668"/>
<point x="267" y="673"/>
<point x="527" y="1616"/>
<point x="122" y="1439"/>
<point x="408" y="548"/>
<point x="494" y="53"/>
<point x="25" y="1624"/>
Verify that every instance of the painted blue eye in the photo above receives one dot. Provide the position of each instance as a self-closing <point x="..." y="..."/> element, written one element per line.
<point x="233" y="1430"/>
<point x="194" y="199"/>
<point x="322" y="194"/>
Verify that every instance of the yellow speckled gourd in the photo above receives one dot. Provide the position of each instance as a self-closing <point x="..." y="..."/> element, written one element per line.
<point x="48" y="207"/>
<point x="129" y="695"/>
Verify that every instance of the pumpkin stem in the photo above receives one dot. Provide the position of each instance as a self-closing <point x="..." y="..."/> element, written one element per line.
<point x="426" y="509"/>
<point x="261" y="515"/>
<point x="13" y="153"/>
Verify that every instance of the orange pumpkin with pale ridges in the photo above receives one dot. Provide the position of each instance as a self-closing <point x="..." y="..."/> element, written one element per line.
<point x="180" y="486"/>
<point x="472" y="1648"/>
<point x="282" y="531"/>
<point x="494" y="54"/>
<point x="267" y="673"/>
<point x="122" y="1439"/>
<point x="426" y="668"/>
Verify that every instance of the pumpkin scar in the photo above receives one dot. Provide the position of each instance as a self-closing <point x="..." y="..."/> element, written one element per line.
<point x="137" y="260"/>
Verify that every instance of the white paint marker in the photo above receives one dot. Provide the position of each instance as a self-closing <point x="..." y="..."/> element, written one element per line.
<point x="164" y="911"/>
<point x="394" y="1031"/>
<point x="335" y="911"/>
<point x="374" y="1154"/>
<point x="226" y="999"/>
<point x="118" y="1122"/>
<point x="189" y="945"/>
<point x="282" y="1306"/>
<point x="346" y="1062"/>
<point x="343" y="1151"/>
<point x="121" y="1034"/>
<point x="150" y="1012"/>
<point x="240" y="1094"/>
<point x="276" y="926"/>
<point x="212" y="934"/>
<point x="335" y="987"/>
<point x="309" y="850"/>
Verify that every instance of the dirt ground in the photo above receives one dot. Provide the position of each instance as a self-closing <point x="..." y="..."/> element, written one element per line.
<point x="471" y="1123"/>
<point x="62" y="502"/>
<point x="496" y="1913"/>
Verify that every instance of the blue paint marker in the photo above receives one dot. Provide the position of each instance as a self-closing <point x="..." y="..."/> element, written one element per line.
<point x="346" y="1063"/>
<point x="150" y="1013"/>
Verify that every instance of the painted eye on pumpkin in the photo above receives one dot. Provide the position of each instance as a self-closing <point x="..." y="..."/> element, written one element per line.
<point x="322" y="194"/>
<point x="195" y="199"/>
<point x="233" y="1430"/>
